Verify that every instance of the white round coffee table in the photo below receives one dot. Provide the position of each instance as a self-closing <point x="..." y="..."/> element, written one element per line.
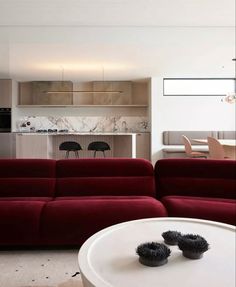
<point x="108" y="258"/>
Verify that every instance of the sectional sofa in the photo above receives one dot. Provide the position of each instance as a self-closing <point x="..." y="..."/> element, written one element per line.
<point x="198" y="188"/>
<point x="48" y="202"/>
<point x="55" y="203"/>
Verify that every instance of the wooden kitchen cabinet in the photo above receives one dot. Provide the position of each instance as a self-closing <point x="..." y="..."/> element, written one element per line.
<point x="5" y="93"/>
<point x="124" y="98"/>
<point x="134" y="94"/>
<point x="32" y="146"/>
<point x="35" y="93"/>
<point x="143" y="146"/>
<point x="7" y="145"/>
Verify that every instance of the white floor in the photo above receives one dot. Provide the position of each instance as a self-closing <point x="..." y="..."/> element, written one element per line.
<point x="41" y="268"/>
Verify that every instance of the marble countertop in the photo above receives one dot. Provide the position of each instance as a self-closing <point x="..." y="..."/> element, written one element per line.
<point x="80" y="133"/>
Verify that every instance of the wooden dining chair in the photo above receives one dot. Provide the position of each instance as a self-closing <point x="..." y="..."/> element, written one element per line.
<point x="216" y="150"/>
<point x="189" y="151"/>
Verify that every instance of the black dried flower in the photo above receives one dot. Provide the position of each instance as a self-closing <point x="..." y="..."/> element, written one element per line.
<point x="171" y="237"/>
<point x="193" y="243"/>
<point x="153" y="251"/>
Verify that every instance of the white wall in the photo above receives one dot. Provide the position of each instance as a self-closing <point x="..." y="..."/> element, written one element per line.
<point x="142" y="52"/>
<point x="127" y="53"/>
<point x="186" y="113"/>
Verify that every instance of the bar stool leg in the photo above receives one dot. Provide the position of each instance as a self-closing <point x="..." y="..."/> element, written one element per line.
<point x="67" y="154"/>
<point x="76" y="154"/>
<point x="94" y="155"/>
<point x="104" y="154"/>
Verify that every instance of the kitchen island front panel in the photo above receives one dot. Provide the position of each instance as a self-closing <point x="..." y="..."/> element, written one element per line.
<point x="46" y="145"/>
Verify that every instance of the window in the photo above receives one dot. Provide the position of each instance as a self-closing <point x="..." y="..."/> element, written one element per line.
<point x="198" y="86"/>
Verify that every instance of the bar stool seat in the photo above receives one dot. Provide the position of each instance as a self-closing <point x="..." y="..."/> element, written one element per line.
<point x="99" y="146"/>
<point x="69" y="146"/>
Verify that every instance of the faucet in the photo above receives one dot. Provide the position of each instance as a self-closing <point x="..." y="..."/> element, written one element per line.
<point x="115" y="128"/>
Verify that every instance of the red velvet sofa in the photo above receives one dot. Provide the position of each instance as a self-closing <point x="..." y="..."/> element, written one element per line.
<point x="198" y="188"/>
<point x="48" y="202"/>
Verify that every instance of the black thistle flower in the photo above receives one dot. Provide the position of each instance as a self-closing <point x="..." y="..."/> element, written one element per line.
<point x="171" y="237"/>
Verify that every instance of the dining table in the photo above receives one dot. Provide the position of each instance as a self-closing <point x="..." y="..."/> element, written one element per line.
<point x="229" y="146"/>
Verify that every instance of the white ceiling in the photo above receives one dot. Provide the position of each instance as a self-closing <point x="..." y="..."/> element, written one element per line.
<point x="118" y="12"/>
<point x="131" y="39"/>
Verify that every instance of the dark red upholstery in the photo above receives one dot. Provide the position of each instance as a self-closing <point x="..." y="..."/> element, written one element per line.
<point x="27" y="178"/>
<point x="105" y="177"/>
<point x="73" y="221"/>
<point x="198" y="188"/>
<point x="20" y="222"/>
<point x="44" y="202"/>
<point x="217" y="209"/>
<point x="196" y="177"/>
<point x="25" y="187"/>
<point x="89" y="194"/>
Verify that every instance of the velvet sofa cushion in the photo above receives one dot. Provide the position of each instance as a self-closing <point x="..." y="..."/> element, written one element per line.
<point x="73" y="221"/>
<point x="105" y="177"/>
<point x="27" y="198"/>
<point x="20" y="222"/>
<point x="103" y="167"/>
<point x="216" y="209"/>
<point x="27" y="178"/>
<point x="196" y="177"/>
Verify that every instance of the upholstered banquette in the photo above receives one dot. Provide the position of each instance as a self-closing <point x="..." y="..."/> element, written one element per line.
<point x="173" y="145"/>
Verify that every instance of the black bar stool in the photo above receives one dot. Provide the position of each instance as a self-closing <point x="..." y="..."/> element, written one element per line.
<point x="99" y="146"/>
<point x="70" y="146"/>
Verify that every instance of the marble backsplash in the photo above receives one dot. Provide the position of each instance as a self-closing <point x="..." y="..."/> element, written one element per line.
<point x="84" y="124"/>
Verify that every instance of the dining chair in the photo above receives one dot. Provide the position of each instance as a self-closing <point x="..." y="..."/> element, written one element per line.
<point x="189" y="151"/>
<point x="216" y="150"/>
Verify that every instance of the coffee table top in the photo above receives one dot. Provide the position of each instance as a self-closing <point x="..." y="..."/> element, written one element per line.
<point x="108" y="258"/>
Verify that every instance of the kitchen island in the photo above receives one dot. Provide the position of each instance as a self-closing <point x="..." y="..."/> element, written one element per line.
<point x="46" y="144"/>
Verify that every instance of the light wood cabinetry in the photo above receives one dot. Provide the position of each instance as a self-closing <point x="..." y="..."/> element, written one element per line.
<point x="32" y="146"/>
<point x="143" y="146"/>
<point x="83" y="99"/>
<point x="7" y="145"/>
<point x="36" y="93"/>
<point x="124" y="98"/>
<point x="134" y="94"/>
<point x="125" y="146"/>
<point x="5" y="93"/>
